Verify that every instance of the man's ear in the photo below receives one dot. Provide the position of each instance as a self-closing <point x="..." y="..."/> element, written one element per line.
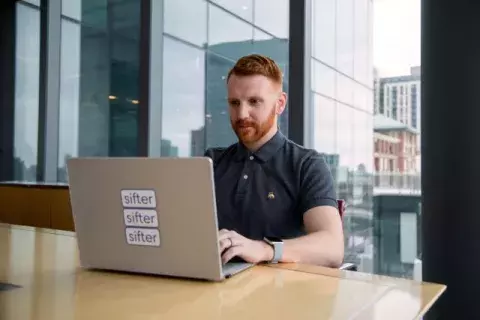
<point x="281" y="103"/>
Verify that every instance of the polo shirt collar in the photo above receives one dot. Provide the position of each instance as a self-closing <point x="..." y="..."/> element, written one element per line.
<point x="265" y="152"/>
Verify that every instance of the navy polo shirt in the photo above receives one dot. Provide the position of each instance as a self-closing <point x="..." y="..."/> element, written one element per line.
<point x="266" y="193"/>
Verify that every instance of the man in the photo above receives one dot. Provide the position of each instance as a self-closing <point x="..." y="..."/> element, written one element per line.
<point x="276" y="200"/>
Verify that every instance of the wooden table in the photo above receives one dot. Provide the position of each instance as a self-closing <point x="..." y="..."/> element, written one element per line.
<point x="44" y="263"/>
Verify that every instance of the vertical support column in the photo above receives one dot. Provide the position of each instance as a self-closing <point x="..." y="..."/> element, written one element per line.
<point x="298" y="98"/>
<point x="49" y="109"/>
<point x="144" y="85"/>
<point x="155" y="83"/>
<point x="7" y="88"/>
<point x="451" y="154"/>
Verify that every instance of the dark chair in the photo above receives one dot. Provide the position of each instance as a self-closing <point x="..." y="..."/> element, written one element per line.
<point x="341" y="209"/>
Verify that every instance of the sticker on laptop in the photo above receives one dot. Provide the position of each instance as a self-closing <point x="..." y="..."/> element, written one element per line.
<point x="140" y="218"/>
<point x="143" y="237"/>
<point x="141" y="199"/>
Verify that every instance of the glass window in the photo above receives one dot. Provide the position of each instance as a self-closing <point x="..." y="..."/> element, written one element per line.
<point x="323" y="79"/>
<point x="276" y="23"/>
<point x="370" y="74"/>
<point x="324" y="128"/>
<point x="344" y="134"/>
<point x="259" y="35"/>
<point x="277" y="49"/>
<point x="344" y="89"/>
<point x="363" y="143"/>
<point x="242" y="8"/>
<point x="109" y="87"/>
<point x="187" y="20"/>
<point x="69" y="95"/>
<point x="72" y="9"/>
<point x="219" y="132"/>
<point x="360" y="63"/>
<point x="360" y="97"/>
<point x="345" y="41"/>
<point x="34" y="2"/>
<point x="27" y="69"/>
<point x="228" y="35"/>
<point x="323" y="33"/>
<point x="183" y="131"/>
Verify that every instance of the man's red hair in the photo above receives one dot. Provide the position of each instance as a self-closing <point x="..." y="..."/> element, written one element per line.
<point x="256" y="64"/>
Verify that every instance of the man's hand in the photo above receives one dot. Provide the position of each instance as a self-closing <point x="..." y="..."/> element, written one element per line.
<point x="233" y="244"/>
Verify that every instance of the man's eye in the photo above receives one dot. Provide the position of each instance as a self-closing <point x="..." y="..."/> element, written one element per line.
<point x="254" y="102"/>
<point x="234" y="103"/>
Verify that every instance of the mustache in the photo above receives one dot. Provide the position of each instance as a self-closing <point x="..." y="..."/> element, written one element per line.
<point x="244" y="123"/>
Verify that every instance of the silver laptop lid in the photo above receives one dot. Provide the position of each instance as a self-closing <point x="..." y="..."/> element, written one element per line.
<point x="148" y="215"/>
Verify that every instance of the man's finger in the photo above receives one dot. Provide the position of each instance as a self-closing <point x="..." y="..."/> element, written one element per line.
<point x="224" y="244"/>
<point x="226" y="235"/>
<point x="223" y="231"/>
<point x="230" y="253"/>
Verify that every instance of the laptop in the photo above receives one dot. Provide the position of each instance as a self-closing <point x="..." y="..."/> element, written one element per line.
<point x="148" y="215"/>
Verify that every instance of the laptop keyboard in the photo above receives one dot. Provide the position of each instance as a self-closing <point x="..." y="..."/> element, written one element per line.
<point x="232" y="268"/>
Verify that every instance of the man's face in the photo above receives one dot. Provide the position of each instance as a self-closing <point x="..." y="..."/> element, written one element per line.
<point x="254" y="104"/>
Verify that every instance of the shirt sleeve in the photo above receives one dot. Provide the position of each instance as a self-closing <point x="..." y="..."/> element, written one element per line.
<point x="316" y="187"/>
<point x="209" y="153"/>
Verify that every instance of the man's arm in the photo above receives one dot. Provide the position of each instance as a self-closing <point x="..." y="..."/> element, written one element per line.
<point x="323" y="244"/>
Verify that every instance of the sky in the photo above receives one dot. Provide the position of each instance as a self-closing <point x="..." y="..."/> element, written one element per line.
<point x="397" y="32"/>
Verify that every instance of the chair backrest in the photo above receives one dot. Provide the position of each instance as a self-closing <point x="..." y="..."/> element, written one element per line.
<point x="341" y="207"/>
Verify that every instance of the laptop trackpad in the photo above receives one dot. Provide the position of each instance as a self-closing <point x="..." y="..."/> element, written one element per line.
<point x="232" y="268"/>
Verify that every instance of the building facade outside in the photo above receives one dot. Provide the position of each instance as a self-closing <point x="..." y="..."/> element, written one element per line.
<point x="147" y="78"/>
<point x="396" y="147"/>
<point x="399" y="98"/>
<point x="397" y="183"/>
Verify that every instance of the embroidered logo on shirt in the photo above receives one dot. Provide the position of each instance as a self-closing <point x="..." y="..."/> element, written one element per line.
<point x="271" y="195"/>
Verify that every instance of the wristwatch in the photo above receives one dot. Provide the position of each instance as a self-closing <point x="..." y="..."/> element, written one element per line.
<point x="277" y="245"/>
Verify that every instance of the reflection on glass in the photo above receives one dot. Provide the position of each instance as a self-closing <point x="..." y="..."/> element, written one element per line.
<point x="72" y="9"/>
<point x="344" y="89"/>
<point x="109" y="87"/>
<point x="362" y="140"/>
<point x="187" y="20"/>
<point x="259" y="35"/>
<point x="242" y="8"/>
<point x="273" y="17"/>
<point x="228" y="35"/>
<point x="183" y="132"/>
<point x="361" y="36"/>
<point x="219" y="132"/>
<point x="345" y="41"/>
<point x="344" y="134"/>
<point x="69" y="95"/>
<point x="323" y="79"/>
<point x="370" y="44"/>
<point x="34" y="2"/>
<point x="323" y="32"/>
<point x="27" y="68"/>
<point x="277" y="49"/>
<point x="360" y="97"/>
<point x="324" y="129"/>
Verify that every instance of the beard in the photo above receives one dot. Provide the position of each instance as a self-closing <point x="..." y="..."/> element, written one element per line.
<point x="249" y="131"/>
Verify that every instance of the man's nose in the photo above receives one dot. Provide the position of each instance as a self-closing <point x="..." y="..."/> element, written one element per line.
<point x="242" y="112"/>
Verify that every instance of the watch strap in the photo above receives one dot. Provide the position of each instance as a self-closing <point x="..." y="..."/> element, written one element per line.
<point x="277" y="250"/>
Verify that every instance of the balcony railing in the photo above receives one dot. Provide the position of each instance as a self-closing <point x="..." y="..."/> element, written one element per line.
<point x="398" y="181"/>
